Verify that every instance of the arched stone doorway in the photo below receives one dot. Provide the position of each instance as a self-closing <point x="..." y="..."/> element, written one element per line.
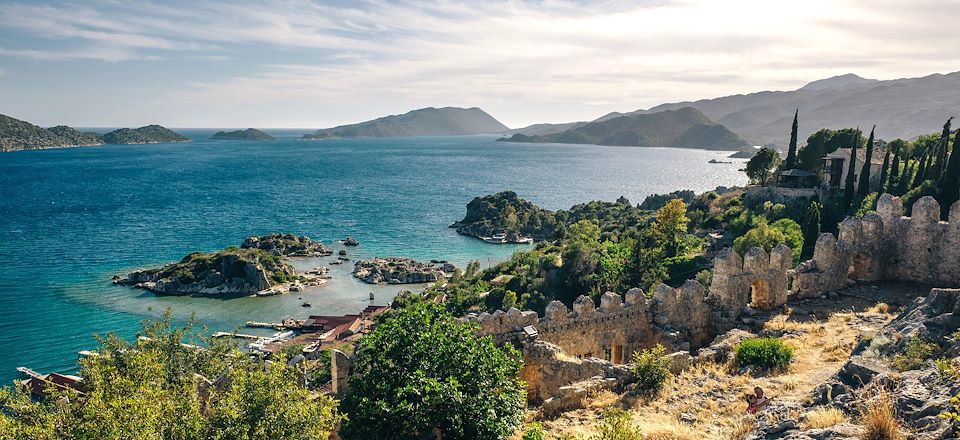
<point x="859" y="267"/>
<point x="760" y="295"/>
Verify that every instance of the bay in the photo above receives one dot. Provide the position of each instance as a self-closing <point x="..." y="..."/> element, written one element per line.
<point x="72" y="218"/>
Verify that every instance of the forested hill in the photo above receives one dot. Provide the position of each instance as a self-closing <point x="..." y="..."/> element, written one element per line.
<point x="682" y="128"/>
<point x="21" y="135"/>
<point x="430" y="121"/>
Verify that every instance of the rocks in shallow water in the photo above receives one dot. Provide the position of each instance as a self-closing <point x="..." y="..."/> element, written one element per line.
<point x="287" y="245"/>
<point x="350" y="241"/>
<point x="398" y="271"/>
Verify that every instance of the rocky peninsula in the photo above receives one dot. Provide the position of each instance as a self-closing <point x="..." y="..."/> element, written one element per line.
<point x="395" y="270"/>
<point x="250" y="134"/>
<point x="18" y="135"/>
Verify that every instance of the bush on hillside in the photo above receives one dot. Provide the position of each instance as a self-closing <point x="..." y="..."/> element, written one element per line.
<point x="915" y="353"/>
<point x="766" y="353"/>
<point x="616" y="425"/>
<point x="651" y="369"/>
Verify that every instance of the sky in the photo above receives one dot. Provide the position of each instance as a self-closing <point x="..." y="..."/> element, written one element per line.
<point x="314" y="64"/>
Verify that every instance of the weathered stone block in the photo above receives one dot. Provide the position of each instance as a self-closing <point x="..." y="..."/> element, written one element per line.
<point x="584" y="306"/>
<point x="610" y="302"/>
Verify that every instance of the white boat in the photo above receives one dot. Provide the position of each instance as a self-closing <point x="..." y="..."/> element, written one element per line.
<point x="498" y="238"/>
<point x="523" y="240"/>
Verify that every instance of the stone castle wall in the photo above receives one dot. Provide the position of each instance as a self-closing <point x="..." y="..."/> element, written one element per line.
<point x="679" y="318"/>
<point x="886" y="246"/>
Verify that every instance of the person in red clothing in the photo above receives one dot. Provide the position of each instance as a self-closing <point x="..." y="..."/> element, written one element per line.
<point x="757" y="401"/>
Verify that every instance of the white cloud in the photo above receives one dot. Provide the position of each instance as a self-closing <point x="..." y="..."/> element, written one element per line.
<point x="526" y="61"/>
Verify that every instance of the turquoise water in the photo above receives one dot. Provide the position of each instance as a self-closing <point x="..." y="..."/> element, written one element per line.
<point x="72" y="218"/>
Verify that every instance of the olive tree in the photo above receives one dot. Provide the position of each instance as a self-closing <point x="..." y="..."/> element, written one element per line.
<point x="761" y="166"/>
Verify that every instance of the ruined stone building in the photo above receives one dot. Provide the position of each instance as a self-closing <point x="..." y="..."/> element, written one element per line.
<point x="586" y="343"/>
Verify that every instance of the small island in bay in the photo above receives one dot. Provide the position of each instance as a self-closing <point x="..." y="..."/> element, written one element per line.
<point x="250" y="134"/>
<point x="395" y="270"/>
<point x="258" y="267"/>
<point x="150" y="134"/>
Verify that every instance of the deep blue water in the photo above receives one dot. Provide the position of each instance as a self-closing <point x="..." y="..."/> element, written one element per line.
<point x="72" y="218"/>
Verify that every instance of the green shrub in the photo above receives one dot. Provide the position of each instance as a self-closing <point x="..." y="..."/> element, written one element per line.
<point x="767" y="353"/>
<point x="616" y="425"/>
<point x="534" y="432"/>
<point x="915" y="354"/>
<point x="651" y="369"/>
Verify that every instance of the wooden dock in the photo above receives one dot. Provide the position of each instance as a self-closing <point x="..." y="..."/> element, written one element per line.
<point x="235" y="335"/>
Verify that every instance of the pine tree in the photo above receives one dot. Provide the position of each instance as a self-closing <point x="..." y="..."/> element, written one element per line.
<point x="811" y="228"/>
<point x="848" y="190"/>
<point x="791" y="162"/>
<point x="950" y="183"/>
<point x="864" y="187"/>
<point x="885" y="171"/>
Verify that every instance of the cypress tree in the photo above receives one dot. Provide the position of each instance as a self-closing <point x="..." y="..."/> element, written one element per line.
<point x="904" y="181"/>
<point x="922" y="170"/>
<point x="864" y="187"/>
<point x="941" y="155"/>
<point x="848" y="191"/>
<point x="884" y="171"/>
<point x="811" y="229"/>
<point x="791" y="161"/>
<point x="950" y="183"/>
<point x="895" y="167"/>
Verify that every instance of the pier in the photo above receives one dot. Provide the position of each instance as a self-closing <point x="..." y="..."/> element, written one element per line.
<point x="235" y="335"/>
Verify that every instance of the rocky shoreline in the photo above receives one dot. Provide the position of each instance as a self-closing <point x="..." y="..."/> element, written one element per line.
<point x="396" y="270"/>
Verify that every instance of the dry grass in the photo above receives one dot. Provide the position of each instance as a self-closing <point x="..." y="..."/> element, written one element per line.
<point x="879" y="421"/>
<point x="713" y="393"/>
<point x="880" y="308"/>
<point x="824" y="417"/>
<point x="739" y="428"/>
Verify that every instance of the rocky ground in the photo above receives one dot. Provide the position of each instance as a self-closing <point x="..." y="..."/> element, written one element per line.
<point x="287" y="245"/>
<point x="844" y="381"/>
<point x="396" y="270"/>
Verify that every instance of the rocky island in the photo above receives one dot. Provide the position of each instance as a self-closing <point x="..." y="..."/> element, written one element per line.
<point x="395" y="270"/>
<point x="150" y="134"/>
<point x="226" y="272"/>
<point x="258" y="266"/>
<point x="250" y="134"/>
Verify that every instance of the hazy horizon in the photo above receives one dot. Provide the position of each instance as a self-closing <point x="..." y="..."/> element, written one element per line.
<point x="304" y="64"/>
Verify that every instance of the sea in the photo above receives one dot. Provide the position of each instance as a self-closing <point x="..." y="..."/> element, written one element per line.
<point x="72" y="218"/>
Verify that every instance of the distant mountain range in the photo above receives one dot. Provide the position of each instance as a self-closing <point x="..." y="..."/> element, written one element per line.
<point x="901" y="108"/>
<point x="446" y="121"/>
<point x="18" y="135"/>
<point x="686" y="127"/>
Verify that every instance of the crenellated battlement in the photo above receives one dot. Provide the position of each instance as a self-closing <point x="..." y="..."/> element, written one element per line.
<point x="676" y="317"/>
<point x="886" y="246"/>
